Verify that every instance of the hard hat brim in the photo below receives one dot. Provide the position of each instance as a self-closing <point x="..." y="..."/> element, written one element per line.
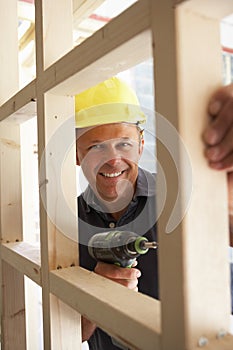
<point x="109" y="113"/>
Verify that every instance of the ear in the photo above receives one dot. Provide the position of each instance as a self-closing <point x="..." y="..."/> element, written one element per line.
<point x="77" y="158"/>
<point x="141" y="146"/>
<point x="141" y="142"/>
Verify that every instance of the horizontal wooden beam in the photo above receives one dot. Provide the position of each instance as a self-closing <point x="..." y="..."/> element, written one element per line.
<point x="21" y="106"/>
<point x="103" y="54"/>
<point x="24" y="257"/>
<point x="135" y="317"/>
<point x="106" y="66"/>
<point x="120" y="30"/>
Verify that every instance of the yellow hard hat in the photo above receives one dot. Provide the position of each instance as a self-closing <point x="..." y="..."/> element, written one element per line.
<point x="111" y="101"/>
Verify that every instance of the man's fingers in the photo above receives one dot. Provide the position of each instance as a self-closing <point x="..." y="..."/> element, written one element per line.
<point x="131" y="284"/>
<point x="222" y="150"/>
<point x="224" y="164"/>
<point x="220" y="108"/>
<point x="218" y="128"/>
<point x="127" y="277"/>
<point x="219" y="98"/>
<point x="115" y="272"/>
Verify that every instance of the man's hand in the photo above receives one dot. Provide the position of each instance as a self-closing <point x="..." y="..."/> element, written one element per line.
<point x="218" y="137"/>
<point x="126" y="277"/>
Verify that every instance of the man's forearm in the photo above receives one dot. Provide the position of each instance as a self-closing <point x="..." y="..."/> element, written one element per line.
<point x="88" y="328"/>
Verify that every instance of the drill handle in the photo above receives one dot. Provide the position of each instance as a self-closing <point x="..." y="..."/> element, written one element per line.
<point x="125" y="263"/>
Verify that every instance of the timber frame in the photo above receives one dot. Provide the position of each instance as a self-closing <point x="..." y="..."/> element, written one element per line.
<point x="183" y="39"/>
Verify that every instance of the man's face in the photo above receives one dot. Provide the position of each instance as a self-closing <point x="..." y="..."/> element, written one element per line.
<point x="109" y="155"/>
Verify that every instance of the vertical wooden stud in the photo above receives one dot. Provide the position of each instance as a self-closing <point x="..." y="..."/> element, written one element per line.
<point x="12" y="282"/>
<point x="9" y="50"/>
<point x="56" y="131"/>
<point x="194" y="272"/>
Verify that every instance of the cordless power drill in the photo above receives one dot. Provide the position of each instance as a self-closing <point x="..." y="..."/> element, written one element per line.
<point x="119" y="247"/>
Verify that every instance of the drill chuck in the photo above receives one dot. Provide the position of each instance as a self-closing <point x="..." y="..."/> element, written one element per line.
<point x="119" y="247"/>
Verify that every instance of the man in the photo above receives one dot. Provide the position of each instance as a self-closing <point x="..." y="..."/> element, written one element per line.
<point x="120" y="194"/>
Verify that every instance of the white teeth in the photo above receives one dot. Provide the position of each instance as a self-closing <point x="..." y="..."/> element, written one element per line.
<point x="112" y="175"/>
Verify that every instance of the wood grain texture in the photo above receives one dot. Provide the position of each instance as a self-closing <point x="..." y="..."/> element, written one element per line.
<point x="131" y="317"/>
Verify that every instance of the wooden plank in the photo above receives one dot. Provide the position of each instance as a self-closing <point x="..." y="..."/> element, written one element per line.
<point x="170" y="245"/>
<point x="57" y="215"/>
<point x="13" y="309"/>
<point x="66" y="319"/>
<point x="57" y="164"/>
<point x="12" y="294"/>
<point x="136" y="320"/>
<point x="207" y="238"/>
<point x="12" y="282"/>
<point x="33" y="296"/>
<point x="10" y="174"/>
<point x="120" y="30"/>
<point x="21" y="106"/>
<point x="57" y="219"/>
<point x="192" y="279"/>
<point x="53" y="13"/>
<point x="30" y="184"/>
<point x="9" y="50"/>
<point x="107" y="42"/>
<point x="108" y="65"/>
<point x="83" y="9"/>
<point x="24" y="257"/>
<point x="39" y="37"/>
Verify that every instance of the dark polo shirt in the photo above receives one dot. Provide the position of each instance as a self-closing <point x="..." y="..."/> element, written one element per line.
<point x="140" y="218"/>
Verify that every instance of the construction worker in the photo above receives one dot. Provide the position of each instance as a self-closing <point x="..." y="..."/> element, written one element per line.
<point x="120" y="194"/>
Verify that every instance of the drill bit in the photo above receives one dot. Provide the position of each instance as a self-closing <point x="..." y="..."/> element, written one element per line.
<point x="147" y="245"/>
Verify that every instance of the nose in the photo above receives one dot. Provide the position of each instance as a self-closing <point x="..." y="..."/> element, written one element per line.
<point x="112" y="155"/>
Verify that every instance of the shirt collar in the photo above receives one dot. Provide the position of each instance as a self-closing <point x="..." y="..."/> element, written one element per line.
<point x="145" y="187"/>
<point x="145" y="184"/>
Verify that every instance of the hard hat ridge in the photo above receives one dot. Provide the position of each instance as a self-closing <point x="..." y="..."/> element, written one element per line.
<point x="111" y="101"/>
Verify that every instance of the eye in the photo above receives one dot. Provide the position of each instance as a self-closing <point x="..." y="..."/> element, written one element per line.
<point x="125" y="145"/>
<point x="97" y="147"/>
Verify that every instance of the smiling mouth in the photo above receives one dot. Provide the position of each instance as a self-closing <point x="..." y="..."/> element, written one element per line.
<point x="111" y="175"/>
